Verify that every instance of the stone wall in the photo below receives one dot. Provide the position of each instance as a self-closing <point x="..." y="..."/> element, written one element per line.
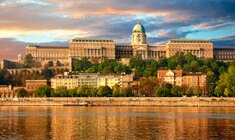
<point x="129" y="101"/>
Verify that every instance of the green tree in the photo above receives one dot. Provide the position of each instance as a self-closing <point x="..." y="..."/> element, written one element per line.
<point x="136" y="62"/>
<point x="116" y="91"/>
<point x="37" y="64"/>
<point x="104" y="91"/>
<point x="197" y="91"/>
<point x="50" y="63"/>
<point x="81" y="65"/>
<point x="93" y="92"/>
<point x="48" y="73"/>
<point x="172" y="62"/>
<point x="28" y="61"/>
<point x="162" y="63"/>
<point x="86" y="91"/>
<point x="189" y="92"/>
<point x="164" y="91"/>
<point x="43" y="91"/>
<point x="73" y="92"/>
<point x="189" y="57"/>
<point x="176" y="91"/>
<point x="178" y="67"/>
<point x="58" y="63"/>
<point x="211" y="90"/>
<point x="126" y="92"/>
<point x="194" y="66"/>
<point x="21" y="92"/>
<point x="218" y="91"/>
<point x="61" y="92"/>
<point x="227" y="80"/>
<point x="92" y="69"/>
<point x="211" y="76"/>
<point x="227" y="92"/>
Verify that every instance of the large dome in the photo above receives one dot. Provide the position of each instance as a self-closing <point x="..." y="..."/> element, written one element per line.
<point x="139" y="28"/>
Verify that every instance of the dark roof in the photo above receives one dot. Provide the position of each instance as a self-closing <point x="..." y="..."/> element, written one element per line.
<point x="53" y="47"/>
<point x="123" y="45"/>
<point x="190" y="40"/>
<point x="92" y="39"/>
<point x="156" y="45"/>
<point x="224" y="48"/>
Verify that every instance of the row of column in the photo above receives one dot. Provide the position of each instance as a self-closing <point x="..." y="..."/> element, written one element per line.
<point x="49" y="55"/>
<point x="156" y="54"/>
<point x="94" y="52"/>
<point x="198" y="53"/>
<point x="143" y="54"/>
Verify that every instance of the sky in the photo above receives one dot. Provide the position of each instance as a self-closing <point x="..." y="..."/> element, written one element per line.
<point x="55" y="22"/>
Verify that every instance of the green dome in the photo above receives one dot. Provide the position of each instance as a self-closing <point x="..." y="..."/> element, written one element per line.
<point x="139" y="28"/>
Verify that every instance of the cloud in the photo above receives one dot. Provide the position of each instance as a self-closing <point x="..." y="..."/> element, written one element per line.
<point x="224" y="41"/>
<point x="60" y="20"/>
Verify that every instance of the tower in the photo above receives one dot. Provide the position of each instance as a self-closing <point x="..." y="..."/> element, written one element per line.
<point x="138" y="35"/>
<point x="138" y="41"/>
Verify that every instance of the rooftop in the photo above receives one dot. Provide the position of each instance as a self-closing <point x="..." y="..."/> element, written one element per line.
<point x="91" y="40"/>
<point x="162" y="73"/>
<point x="53" y="47"/>
<point x="48" y="47"/>
<point x="224" y="48"/>
<point x="190" y="40"/>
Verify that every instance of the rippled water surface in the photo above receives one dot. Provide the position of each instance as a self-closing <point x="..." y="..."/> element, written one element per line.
<point x="116" y="123"/>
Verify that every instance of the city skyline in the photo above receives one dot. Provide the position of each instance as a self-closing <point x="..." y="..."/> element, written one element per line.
<point x="55" y="22"/>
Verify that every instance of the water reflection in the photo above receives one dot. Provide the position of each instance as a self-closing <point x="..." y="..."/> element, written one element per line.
<point x="116" y="123"/>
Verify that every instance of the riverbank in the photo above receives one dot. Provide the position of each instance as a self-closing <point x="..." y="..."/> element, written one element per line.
<point x="122" y="101"/>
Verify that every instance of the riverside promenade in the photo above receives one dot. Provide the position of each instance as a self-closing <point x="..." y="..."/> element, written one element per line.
<point x="121" y="101"/>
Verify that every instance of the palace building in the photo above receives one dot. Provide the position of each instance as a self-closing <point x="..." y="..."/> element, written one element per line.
<point x="107" y="48"/>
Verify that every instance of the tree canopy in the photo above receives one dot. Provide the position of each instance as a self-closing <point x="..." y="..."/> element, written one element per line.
<point x="28" y="61"/>
<point x="43" y="91"/>
<point x="21" y="92"/>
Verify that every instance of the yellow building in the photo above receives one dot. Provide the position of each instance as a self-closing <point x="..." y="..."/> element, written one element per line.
<point x="109" y="80"/>
<point x="91" y="79"/>
<point x="72" y="81"/>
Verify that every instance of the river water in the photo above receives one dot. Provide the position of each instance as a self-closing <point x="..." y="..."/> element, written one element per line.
<point x="130" y="123"/>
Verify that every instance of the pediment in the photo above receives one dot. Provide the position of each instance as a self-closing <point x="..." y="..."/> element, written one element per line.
<point x="141" y="48"/>
<point x="170" y="73"/>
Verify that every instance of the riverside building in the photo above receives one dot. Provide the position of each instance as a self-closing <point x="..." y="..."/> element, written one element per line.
<point x="178" y="78"/>
<point x="91" y="79"/>
<point x="73" y="81"/>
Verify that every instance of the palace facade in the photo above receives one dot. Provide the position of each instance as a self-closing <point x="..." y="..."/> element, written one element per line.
<point x="107" y="48"/>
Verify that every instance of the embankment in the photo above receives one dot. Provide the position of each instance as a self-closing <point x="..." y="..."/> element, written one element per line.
<point x="122" y="101"/>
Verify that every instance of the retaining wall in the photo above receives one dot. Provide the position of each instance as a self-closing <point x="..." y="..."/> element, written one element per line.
<point x="121" y="101"/>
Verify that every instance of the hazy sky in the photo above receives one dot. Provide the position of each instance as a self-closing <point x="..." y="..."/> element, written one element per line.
<point x="55" y="22"/>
